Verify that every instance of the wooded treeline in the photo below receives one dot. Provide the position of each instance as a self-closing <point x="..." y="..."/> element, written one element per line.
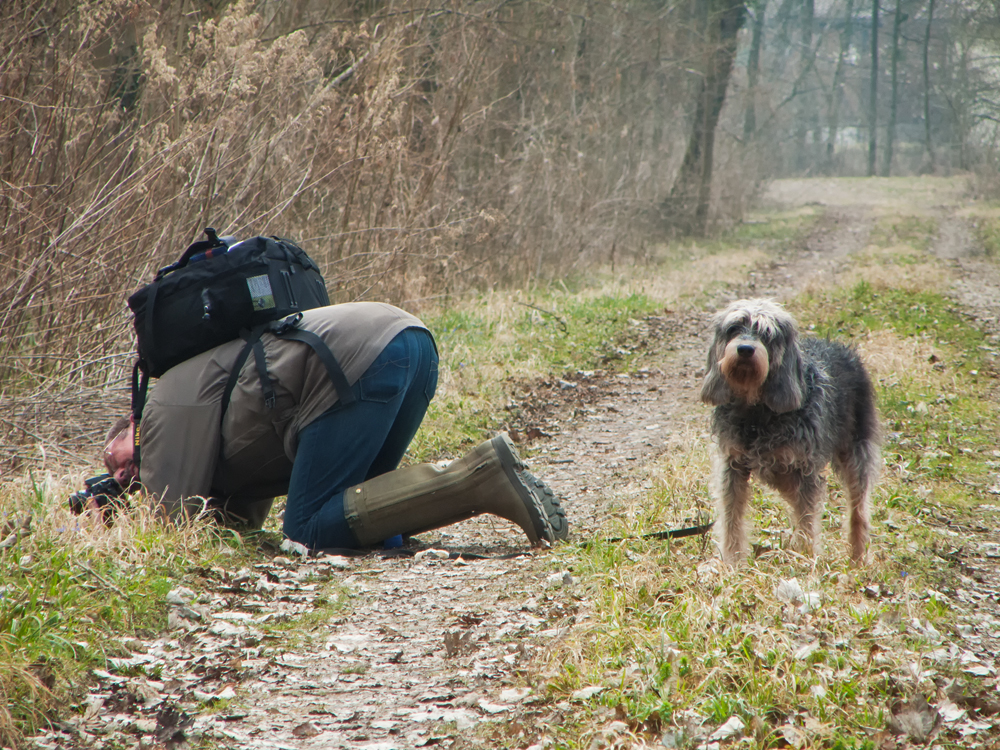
<point x="417" y="149"/>
<point x="876" y="87"/>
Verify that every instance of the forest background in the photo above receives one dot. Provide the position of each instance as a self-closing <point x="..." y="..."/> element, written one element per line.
<point x="418" y="149"/>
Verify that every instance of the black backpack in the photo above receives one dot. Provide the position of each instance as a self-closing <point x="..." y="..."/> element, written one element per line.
<point x="220" y="290"/>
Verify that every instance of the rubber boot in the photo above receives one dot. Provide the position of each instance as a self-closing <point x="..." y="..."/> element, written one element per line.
<point x="490" y="479"/>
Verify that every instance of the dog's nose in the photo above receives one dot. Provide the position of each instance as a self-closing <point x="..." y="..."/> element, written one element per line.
<point x="745" y="350"/>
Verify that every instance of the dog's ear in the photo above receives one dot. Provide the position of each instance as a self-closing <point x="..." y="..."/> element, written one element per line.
<point x="715" y="391"/>
<point x="785" y="386"/>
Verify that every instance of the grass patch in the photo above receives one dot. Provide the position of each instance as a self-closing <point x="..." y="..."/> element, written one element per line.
<point x="782" y="228"/>
<point x="917" y="232"/>
<point x="576" y="333"/>
<point x="679" y="643"/>
<point x="987" y="230"/>
<point x="72" y="591"/>
<point x="682" y="645"/>
<point x="853" y="313"/>
<point x="492" y="342"/>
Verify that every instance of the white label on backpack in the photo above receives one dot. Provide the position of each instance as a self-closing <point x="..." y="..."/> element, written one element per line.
<point x="260" y="292"/>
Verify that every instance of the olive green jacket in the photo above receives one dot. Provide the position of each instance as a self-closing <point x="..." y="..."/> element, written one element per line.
<point x="185" y="458"/>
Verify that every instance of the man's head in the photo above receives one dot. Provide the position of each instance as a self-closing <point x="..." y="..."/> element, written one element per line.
<point x="119" y="452"/>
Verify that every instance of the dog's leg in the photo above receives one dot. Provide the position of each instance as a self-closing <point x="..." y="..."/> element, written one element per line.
<point x="734" y="497"/>
<point x="859" y="472"/>
<point x="804" y="493"/>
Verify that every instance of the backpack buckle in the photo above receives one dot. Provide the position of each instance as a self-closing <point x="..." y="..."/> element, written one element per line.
<point x="286" y="324"/>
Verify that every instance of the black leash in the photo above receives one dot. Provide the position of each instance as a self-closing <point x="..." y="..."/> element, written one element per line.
<point x="669" y="533"/>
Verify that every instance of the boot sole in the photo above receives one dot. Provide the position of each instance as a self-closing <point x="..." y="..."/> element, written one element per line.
<point x="547" y="514"/>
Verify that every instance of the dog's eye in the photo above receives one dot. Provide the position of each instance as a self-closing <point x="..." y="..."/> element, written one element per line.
<point x="733" y="331"/>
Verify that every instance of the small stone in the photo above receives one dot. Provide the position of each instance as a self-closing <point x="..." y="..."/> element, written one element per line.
<point x="180" y="595"/>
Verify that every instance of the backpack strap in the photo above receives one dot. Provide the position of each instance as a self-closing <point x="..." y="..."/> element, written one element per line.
<point x="266" y="385"/>
<point x="284" y="329"/>
<point x="344" y="391"/>
<point x="140" y="386"/>
<point x="251" y="337"/>
<point x="149" y="343"/>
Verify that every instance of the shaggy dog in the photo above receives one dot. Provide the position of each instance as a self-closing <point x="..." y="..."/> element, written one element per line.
<point x="784" y="409"/>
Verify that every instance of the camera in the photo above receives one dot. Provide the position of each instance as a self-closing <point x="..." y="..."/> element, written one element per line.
<point x="104" y="490"/>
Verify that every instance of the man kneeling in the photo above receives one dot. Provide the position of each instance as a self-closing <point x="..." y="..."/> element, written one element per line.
<point x="334" y="454"/>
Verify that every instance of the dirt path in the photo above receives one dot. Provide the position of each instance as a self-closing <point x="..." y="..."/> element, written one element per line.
<point x="426" y="639"/>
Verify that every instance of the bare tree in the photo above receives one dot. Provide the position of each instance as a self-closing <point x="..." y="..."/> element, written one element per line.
<point x="873" y="93"/>
<point x="928" y="144"/>
<point x="890" y="130"/>
<point x="686" y="208"/>
<point x="806" y="105"/>
<point x="759" y="9"/>
<point x="837" y="89"/>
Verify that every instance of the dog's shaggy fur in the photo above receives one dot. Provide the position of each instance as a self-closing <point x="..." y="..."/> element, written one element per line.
<point x="784" y="409"/>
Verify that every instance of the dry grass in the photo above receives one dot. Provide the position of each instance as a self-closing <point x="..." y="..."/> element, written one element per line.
<point x="889" y="357"/>
<point x="415" y="154"/>
<point x="681" y="644"/>
<point x="897" y="268"/>
<point x="891" y="194"/>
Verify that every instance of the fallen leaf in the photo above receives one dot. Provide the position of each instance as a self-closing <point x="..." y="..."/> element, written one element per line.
<point x="562" y="578"/>
<point x="979" y="670"/>
<point x="793" y="735"/>
<point x="294" y="548"/>
<point x="431" y="554"/>
<point x="457" y="642"/>
<point x="733" y="727"/>
<point x="180" y="595"/>
<point x="949" y="711"/>
<point x="461" y="718"/>
<point x="915" y="719"/>
<point x="804" y="652"/>
<point x="515" y="694"/>
<point x="587" y="693"/>
<point x="789" y="591"/>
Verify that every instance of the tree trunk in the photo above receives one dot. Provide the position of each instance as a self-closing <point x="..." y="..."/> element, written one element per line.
<point x="753" y="70"/>
<point x="927" y="89"/>
<point x="686" y="208"/>
<point x="806" y="107"/>
<point x="890" y="130"/>
<point x="836" y="91"/>
<point x="873" y="93"/>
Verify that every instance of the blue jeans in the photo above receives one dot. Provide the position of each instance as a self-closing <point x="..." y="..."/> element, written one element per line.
<point x="349" y="444"/>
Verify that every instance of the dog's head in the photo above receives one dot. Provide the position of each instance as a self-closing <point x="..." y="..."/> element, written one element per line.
<point x="754" y="358"/>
